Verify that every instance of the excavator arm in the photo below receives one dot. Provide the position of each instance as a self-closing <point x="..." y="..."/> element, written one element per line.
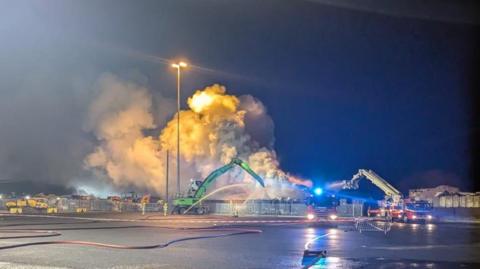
<point x="202" y="189"/>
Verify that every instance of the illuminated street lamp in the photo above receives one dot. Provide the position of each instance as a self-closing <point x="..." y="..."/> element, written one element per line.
<point x="179" y="67"/>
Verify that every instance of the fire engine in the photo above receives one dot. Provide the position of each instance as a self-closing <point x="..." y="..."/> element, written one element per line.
<point x="413" y="211"/>
<point x="321" y="206"/>
<point x="394" y="206"/>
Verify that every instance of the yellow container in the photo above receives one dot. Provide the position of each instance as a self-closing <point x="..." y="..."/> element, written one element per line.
<point x="81" y="210"/>
<point x="15" y="210"/>
<point x="11" y="204"/>
<point x="21" y="203"/>
<point x="52" y="210"/>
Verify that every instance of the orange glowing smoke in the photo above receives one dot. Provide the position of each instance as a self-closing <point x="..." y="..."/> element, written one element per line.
<point x="216" y="128"/>
<point x="299" y="181"/>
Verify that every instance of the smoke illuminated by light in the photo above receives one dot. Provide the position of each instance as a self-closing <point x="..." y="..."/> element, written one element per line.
<point x="215" y="129"/>
<point x="200" y="101"/>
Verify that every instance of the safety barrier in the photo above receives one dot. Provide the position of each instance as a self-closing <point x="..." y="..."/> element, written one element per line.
<point x="367" y="225"/>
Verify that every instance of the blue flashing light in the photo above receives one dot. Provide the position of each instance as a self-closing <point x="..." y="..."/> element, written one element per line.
<point x="318" y="191"/>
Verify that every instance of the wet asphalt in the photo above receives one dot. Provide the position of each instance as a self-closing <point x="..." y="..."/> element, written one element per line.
<point x="279" y="245"/>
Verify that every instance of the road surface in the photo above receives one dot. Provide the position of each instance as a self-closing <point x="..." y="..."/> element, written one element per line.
<point x="279" y="245"/>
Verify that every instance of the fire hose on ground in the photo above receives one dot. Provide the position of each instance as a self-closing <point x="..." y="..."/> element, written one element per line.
<point x="40" y="233"/>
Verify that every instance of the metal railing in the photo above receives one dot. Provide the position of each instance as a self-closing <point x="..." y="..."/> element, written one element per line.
<point x="367" y="225"/>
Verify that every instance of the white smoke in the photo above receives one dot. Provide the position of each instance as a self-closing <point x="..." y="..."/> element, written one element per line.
<point x="216" y="128"/>
<point x="118" y="116"/>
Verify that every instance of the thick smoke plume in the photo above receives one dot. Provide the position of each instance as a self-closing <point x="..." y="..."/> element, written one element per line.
<point x="216" y="128"/>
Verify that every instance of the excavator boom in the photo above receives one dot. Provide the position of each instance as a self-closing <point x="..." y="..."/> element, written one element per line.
<point x="377" y="180"/>
<point x="249" y="170"/>
<point x="186" y="203"/>
<point x="222" y="170"/>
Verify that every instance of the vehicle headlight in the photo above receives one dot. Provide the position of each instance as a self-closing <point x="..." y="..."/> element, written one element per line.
<point x="333" y="217"/>
<point x="310" y="216"/>
<point x="414" y="217"/>
<point x="429" y="217"/>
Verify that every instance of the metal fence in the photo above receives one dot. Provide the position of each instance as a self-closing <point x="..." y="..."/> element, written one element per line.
<point x="274" y="208"/>
<point x="257" y="207"/>
<point x="350" y="210"/>
<point x="367" y="225"/>
<point x="104" y="205"/>
<point x="220" y="207"/>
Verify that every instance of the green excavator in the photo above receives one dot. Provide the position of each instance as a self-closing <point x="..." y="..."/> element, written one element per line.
<point x="199" y="188"/>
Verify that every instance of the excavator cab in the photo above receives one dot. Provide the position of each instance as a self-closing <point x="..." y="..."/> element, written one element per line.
<point x="194" y="185"/>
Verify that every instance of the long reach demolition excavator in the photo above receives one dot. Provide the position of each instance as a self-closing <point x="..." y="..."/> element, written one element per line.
<point x="192" y="201"/>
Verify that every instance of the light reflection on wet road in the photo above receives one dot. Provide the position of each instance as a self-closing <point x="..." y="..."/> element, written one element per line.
<point x="279" y="246"/>
<point x="406" y="245"/>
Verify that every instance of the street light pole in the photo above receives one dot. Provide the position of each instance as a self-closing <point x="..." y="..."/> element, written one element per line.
<point x="166" y="177"/>
<point x="178" y="66"/>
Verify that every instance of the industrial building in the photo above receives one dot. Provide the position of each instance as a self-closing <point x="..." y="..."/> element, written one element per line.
<point x="447" y="196"/>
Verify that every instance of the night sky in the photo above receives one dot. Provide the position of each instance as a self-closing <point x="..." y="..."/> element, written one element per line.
<point x="394" y="90"/>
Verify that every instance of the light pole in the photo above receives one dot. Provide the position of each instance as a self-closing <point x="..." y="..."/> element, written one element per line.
<point x="179" y="67"/>
<point x="166" y="177"/>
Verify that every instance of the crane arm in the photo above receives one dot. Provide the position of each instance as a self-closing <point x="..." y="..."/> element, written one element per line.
<point x="202" y="189"/>
<point x="377" y="180"/>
